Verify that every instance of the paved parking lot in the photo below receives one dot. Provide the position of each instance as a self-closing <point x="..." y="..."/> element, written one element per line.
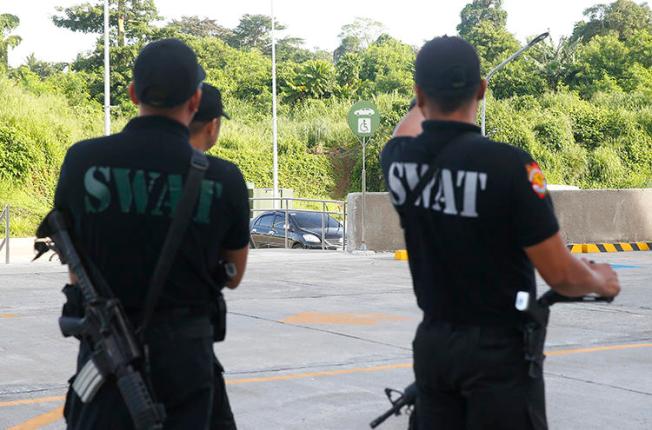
<point x="315" y="337"/>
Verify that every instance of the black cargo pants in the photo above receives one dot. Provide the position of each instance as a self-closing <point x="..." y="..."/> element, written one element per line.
<point x="473" y="378"/>
<point x="186" y="376"/>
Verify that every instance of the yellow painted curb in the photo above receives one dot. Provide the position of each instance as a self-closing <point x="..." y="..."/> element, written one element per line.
<point x="590" y="248"/>
<point x="401" y="255"/>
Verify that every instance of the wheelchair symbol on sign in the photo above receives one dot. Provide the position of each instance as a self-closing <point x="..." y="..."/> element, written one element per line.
<point x="364" y="125"/>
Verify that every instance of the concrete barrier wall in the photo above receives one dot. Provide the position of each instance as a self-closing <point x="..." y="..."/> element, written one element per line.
<point x="585" y="216"/>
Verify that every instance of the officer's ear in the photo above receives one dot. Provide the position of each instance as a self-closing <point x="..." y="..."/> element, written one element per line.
<point x="132" y="94"/>
<point x="195" y="100"/>
<point x="421" y="96"/>
<point x="482" y="90"/>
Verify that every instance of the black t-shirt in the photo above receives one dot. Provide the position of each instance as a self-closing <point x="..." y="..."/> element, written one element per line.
<point x="465" y="234"/>
<point x="119" y="192"/>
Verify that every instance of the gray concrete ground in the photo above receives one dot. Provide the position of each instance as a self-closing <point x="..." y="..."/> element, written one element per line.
<point x="315" y="337"/>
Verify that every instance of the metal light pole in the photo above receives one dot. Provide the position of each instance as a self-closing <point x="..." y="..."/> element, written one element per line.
<point x="496" y="69"/>
<point x="107" y="72"/>
<point x="274" y="119"/>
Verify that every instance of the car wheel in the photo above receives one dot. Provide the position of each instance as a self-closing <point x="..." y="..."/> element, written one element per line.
<point x="297" y="245"/>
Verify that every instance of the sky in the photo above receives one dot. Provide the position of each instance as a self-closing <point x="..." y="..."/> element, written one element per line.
<point x="318" y="22"/>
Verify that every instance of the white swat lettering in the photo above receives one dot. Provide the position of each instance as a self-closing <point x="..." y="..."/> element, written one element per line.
<point x="450" y="186"/>
<point x="397" y="191"/>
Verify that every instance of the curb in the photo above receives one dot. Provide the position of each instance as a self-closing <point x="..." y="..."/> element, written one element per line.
<point x="590" y="248"/>
<point x="577" y="248"/>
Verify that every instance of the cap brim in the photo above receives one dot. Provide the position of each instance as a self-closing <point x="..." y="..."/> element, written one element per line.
<point x="201" y="74"/>
<point x="225" y="115"/>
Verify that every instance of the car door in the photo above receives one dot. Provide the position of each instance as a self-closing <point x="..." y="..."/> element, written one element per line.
<point x="262" y="233"/>
<point x="279" y="230"/>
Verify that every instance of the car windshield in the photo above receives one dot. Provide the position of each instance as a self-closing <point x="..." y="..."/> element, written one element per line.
<point x="313" y="220"/>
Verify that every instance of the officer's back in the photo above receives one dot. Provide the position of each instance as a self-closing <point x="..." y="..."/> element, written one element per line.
<point x="121" y="192"/>
<point x="477" y="219"/>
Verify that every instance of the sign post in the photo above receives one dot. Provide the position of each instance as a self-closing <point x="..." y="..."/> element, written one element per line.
<point x="364" y="121"/>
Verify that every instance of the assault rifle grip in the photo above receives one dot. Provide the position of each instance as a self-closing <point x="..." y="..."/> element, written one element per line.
<point x="71" y="326"/>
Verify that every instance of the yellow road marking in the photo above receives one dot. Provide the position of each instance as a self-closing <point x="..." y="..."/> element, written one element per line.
<point x="8" y="316"/>
<point x="563" y="352"/>
<point x="32" y="401"/>
<point x="341" y="318"/>
<point x="41" y="420"/>
<point x="319" y="374"/>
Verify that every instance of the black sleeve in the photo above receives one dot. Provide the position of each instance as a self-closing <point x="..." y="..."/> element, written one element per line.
<point x="62" y="191"/>
<point x="534" y="215"/>
<point x="237" y="237"/>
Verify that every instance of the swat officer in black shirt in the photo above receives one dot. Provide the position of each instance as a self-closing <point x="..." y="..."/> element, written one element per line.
<point x="120" y="193"/>
<point x="207" y="122"/>
<point x="477" y="217"/>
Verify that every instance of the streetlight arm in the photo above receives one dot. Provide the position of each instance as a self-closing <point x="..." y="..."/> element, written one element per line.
<point x="517" y="54"/>
<point x="496" y="69"/>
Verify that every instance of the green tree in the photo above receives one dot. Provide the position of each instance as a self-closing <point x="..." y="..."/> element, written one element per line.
<point x="43" y="68"/>
<point x="484" y="25"/>
<point x="199" y="27"/>
<point x="480" y="11"/>
<point x="387" y="66"/>
<point x="347" y="45"/>
<point x="364" y="30"/>
<point x="314" y="79"/>
<point x="130" y="20"/>
<point x="624" y="18"/>
<point x="254" y="32"/>
<point x="8" y="24"/>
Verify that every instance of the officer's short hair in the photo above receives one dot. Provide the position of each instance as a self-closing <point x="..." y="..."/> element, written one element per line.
<point x="448" y="71"/>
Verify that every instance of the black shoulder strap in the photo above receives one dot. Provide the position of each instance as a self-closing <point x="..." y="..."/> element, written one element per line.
<point x="426" y="178"/>
<point x="182" y="214"/>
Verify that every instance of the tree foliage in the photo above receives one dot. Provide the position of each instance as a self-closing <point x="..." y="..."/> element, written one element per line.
<point x="623" y="18"/>
<point x="8" y="23"/>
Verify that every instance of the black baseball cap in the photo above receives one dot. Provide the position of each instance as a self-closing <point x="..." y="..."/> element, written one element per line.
<point x="211" y="106"/>
<point x="447" y="65"/>
<point x="166" y="73"/>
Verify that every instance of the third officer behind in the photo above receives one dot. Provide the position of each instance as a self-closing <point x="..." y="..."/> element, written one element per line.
<point x="477" y="219"/>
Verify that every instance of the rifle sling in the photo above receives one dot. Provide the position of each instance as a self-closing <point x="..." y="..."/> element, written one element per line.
<point x="426" y="178"/>
<point x="182" y="215"/>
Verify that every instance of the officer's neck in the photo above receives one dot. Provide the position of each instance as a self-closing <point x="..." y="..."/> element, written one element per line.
<point x="466" y="114"/>
<point x="179" y="114"/>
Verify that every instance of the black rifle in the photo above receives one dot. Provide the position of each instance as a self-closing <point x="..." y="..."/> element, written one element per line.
<point x="116" y="352"/>
<point x="535" y="335"/>
<point x="405" y="399"/>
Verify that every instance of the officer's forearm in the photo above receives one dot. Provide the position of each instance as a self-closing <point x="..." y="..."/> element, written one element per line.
<point x="239" y="259"/>
<point x="563" y="272"/>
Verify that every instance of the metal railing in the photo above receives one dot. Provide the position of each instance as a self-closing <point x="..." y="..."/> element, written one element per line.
<point x="286" y="210"/>
<point x="4" y="216"/>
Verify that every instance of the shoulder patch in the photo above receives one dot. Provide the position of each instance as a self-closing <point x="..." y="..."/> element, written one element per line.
<point x="536" y="178"/>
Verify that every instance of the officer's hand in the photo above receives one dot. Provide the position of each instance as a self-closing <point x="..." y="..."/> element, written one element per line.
<point x="609" y="285"/>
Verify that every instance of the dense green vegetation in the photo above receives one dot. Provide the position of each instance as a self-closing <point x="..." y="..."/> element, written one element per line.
<point x="582" y="106"/>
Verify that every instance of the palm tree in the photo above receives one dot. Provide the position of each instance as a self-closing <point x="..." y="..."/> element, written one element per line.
<point x="8" y="23"/>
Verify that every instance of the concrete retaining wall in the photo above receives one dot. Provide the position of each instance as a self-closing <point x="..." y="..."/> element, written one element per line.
<point x="585" y="216"/>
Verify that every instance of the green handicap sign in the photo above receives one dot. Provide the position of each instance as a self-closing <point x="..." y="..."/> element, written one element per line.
<point x="364" y="119"/>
